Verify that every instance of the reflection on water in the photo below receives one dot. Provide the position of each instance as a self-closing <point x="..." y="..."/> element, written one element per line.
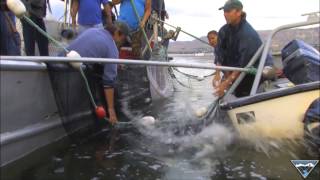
<point x="170" y="148"/>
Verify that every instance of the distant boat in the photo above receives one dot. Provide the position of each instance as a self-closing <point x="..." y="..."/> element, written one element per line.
<point x="199" y="54"/>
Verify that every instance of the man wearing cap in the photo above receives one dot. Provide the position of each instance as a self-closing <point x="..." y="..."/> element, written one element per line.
<point x="213" y="41"/>
<point x="237" y="43"/>
<point x="103" y="43"/>
<point x="37" y="10"/>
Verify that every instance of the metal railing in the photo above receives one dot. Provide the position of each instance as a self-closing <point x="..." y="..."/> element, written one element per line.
<point x="267" y="47"/>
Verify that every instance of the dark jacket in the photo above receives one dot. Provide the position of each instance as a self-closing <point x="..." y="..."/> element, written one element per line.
<point x="237" y="45"/>
<point x="36" y="8"/>
<point x="3" y="5"/>
<point x="159" y="7"/>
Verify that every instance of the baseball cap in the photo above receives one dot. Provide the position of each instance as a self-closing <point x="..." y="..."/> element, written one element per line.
<point x="123" y="28"/>
<point x="232" y="4"/>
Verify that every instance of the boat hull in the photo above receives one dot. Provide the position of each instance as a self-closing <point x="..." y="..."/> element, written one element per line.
<point x="275" y="118"/>
<point x="31" y="116"/>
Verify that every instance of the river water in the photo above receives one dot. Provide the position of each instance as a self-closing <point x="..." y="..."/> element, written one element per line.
<point x="171" y="150"/>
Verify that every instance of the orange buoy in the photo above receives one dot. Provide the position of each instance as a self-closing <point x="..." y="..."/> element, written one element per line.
<point x="100" y="112"/>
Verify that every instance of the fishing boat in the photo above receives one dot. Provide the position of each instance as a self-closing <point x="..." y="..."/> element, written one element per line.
<point x="45" y="102"/>
<point x="279" y="111"/>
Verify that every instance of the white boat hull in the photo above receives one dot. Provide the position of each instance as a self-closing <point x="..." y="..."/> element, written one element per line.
<point x="277" y="118"/>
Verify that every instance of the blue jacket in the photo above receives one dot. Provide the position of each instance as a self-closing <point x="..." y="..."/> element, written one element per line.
<point x="237" y="45"/>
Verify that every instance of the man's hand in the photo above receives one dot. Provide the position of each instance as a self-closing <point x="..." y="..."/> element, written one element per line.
<point x="216" y="80"/>
<point x="142" y="24"/>
<point x="112" y="116"/>
<point x="166" y="15"/>
<point x="222" y="88"/>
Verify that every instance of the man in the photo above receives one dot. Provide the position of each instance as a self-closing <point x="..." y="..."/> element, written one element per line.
<point x="128" y="15"/>
<point x="213" y="38"/>
<point x="10" y="38"/>
<point x="237" y="43"/>
<point x="37" y="11"/>
<point x="89" y="14"/>
<point x="101" y="43"/>
<point x="213" y="41"/>
<point x="159" y="7"/>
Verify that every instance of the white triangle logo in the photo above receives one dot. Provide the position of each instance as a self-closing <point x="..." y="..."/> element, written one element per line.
<point x="304" y="167"/>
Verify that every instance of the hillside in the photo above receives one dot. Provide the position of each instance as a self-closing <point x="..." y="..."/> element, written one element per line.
<point x="310" y="36"/>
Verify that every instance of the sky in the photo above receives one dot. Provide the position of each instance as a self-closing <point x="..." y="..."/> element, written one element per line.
<point x="200" y="16"/>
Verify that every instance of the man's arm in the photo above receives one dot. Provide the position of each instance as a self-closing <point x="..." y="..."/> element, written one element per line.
<point x="109" y="94"/>
<point x="115" y="2"/>
<point x="109" y="78"/>
<point x="226" y="84"/>
<point x="74" y="11"/>
<point x="107" y="8"/>
<point x="147" y="13"/>
<point x="217" y="77"/>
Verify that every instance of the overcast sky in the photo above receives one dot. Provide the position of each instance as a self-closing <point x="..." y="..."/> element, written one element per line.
<point x="200" y="16"/>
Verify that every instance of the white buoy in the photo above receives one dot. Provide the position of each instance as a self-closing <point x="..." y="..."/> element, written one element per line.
<point x="74" y="54"/>
<point x="201" y="111"/>
<point x="17" y="7"/>
<point x="147" y="121"/>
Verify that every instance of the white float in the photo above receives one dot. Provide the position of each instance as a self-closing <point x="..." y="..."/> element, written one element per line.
<point x="201" y="112"/>
<point x="17" y="7"/>
<point x="147" y="121"/>
<point x="74" y="54"/>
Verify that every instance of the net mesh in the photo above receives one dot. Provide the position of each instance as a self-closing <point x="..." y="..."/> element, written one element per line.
<point x="161" y="85"/>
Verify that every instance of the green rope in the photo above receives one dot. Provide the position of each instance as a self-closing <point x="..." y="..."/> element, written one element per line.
<point x="87" y="86"/>
<point x="143" y="32"/>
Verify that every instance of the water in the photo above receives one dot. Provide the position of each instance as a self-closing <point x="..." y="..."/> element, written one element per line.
<point x="171" y="149"/>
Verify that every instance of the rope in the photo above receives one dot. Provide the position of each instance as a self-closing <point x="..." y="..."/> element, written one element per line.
<point x="87" y="87"/>
<point x="192" y="76"/>
<point x="173" y="76"/>
<point x="189" y="34"/>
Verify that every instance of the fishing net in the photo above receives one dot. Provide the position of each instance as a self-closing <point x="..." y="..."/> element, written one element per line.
<point x="72" y="99"/>
<point x="161" y="85"/>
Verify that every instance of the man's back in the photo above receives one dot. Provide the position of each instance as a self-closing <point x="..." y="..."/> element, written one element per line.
<point x="95" y="42"/>
<point x="90" y="12"/>
<point x="128" y="15"/>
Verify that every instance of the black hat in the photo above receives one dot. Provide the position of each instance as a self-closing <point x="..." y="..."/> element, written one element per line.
<point x="124" y="29"/>
<point x="232" y="4"/>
